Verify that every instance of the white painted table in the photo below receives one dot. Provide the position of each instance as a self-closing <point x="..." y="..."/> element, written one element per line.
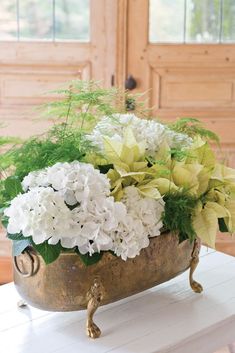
<point x="167" y="318"/>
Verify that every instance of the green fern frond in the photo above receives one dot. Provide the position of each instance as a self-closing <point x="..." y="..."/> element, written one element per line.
<point x="178" y="212"/>
<point x="193" y="127"/>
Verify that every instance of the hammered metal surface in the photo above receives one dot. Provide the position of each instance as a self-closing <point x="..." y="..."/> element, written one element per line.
<point x="64" y="284"/>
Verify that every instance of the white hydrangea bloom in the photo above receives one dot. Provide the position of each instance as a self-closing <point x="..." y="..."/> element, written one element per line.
<point x="143" y="220"/>
<point x="95" y="215"/>
<point x="149" y="131"/>
<point x="95" y="222"/>
<point x="40" y="213"/>
<point x="92" y="225"/>
<point x="147" y="210"/>
<point x="129" y="238"/>
<point x="75" y="181"/>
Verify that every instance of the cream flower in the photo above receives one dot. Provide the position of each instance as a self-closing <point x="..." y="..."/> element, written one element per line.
<point x="40" y="213"/>
<point x="92" y="225"/>
<point x="147" y="210"/>
<point x="142" y="220"/>
<point x="76" y="181"/>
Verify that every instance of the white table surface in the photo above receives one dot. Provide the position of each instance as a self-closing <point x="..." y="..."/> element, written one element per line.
<point x="166" y="318"/>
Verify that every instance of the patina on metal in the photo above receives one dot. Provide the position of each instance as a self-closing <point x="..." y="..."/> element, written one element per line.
<point x="67" y="284"/>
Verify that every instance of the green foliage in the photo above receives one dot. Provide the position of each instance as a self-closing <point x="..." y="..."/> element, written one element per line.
<point x="12" y="186"/>
<point x="4" y="219"/>
<point x="61" y="144"/>
<point x="179" y="154"/>
<point x="177" y="216"/>
<point x="90" y="260"/>
<point x="48" y="252"/>
<point x="8" y="140"/>
<point x="193" y="127"/>
<point x="84" y="103"/>
<point x="15" y="236"/>
<point x="9" y="189"/>
<point x="204" y="18"/>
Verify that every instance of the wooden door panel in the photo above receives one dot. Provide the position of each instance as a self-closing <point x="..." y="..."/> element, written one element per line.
<point x="26" y="85"/>
<point x="23" y="87"/>
<point x="184" y="88"/>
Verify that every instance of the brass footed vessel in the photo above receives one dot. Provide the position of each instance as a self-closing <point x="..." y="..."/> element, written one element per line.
<point x="68" y="285"/>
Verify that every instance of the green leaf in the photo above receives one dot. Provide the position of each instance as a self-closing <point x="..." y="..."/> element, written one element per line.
<point x="48" y="252"/>
<point x="17" y="236"/>
<point x="5" y="221"/>
<point x="12" y="186"/>
<point x="90" y="260"/>
<point x="19" y="246"/>
<point x="193" y="127"/>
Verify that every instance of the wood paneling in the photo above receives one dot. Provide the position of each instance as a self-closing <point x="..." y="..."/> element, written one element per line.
<point x="184" y="88"/>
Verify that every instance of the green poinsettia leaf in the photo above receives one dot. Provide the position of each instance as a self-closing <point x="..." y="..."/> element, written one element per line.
<point x="203" y="180"/>
<point x="90" y="260"/>
<point x="19" y="246"/>
<point x="205" y="225"/>
<point x="48" y="252"/>
<point x="220" y="211"/>
<point x="112" y="150"/>
<point x="203" y="154"/>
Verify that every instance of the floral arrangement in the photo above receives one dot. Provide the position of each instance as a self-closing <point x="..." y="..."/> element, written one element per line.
<point x="104" y="180"/>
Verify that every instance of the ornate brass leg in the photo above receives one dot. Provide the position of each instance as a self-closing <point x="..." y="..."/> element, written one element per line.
<point x="196" y="287"/>
<point x="94" y="296"/>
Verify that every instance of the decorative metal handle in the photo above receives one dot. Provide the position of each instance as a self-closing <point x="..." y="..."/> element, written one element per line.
<point x="34" y="264"/>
